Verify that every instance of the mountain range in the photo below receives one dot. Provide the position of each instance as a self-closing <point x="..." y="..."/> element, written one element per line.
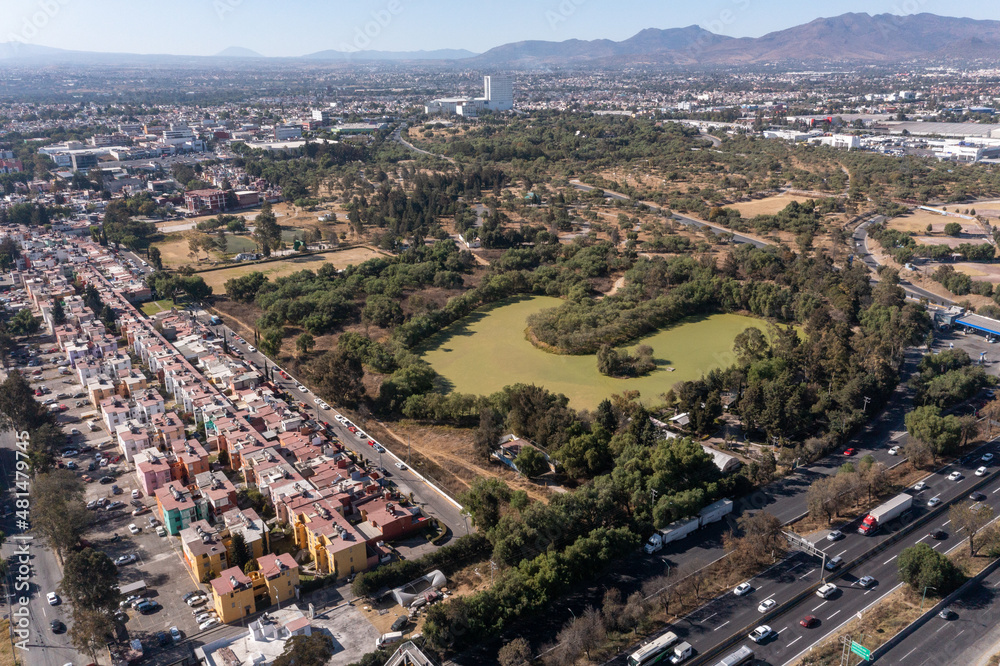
<point x="854" y="37"/>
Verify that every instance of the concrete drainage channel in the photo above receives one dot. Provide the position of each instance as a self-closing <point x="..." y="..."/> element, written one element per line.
<point x="738" y="636"/>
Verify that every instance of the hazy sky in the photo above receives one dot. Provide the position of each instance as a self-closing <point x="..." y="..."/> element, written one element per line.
<point x="297" y="27"/>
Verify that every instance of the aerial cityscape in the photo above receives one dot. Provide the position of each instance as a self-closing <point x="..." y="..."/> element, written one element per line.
<point x="565" y="333"/>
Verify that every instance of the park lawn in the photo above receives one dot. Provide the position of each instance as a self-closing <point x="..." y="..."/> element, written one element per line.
<point x="275" y="269"/>
<point x="488" y="350"/>
<point x="153" y="307"/>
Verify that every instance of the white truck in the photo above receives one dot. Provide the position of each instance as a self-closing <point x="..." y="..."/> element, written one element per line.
<point x="680" y="653"/>
<point x="883" y="513"/>
<point x="715" y="512"/>
<point x="672" y="532"/>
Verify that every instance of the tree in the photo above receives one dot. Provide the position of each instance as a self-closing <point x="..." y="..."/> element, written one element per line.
<point x="485" y="501"/>
<point x="921" y="566"/>
<point x="970" y="518"/>
<point x="267" y="233"/>
<point x="244" y="289"/>
<point x="18" y="408"/>
<point x="155" y="260"/>
<point x="58" y="512"/>
<point x="515" y="653"/>
<point x="23" y="323"/>
<point x="312" y="650"/>
<point x="953" y="229"/>
<point x="91" y="630"/>
<point x="942" y="433"/>
<point x="270" y="343"/>
<point x="487" y="436"/>
<point x="43" y="445"/>
<point x="58" y="313"/>
<point x="382" y="311"/>
<point x="338" y="376"/>
<point x="240" y="552"/>
<point x="305" y="343"/>
<point x="761" y="543"/>
<point x="90" y="580"/>
<point x="531" y="462"/>
<point x="10" y="251"/>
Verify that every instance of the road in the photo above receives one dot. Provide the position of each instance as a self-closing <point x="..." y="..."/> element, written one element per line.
<point x="973" y="633"/>
<point x="861" y="246"/>
<point x="44" y="648"/>
<point x="683" y="219"/>
<point x="714" y="623"/>
<point x="434" y="502"/>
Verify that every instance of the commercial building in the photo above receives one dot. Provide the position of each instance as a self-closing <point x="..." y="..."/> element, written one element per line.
<point x="498" y="95"/>
<point x="205" y="201"/>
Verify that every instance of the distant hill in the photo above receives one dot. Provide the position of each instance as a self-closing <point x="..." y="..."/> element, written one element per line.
<point x="238" y="52"/>
<point x="882" y="38"/>
<point x="439" y="54"/>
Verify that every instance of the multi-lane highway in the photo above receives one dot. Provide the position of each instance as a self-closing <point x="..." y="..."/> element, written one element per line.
<point x="729" y="615"/>
<point x="434" y="502"/>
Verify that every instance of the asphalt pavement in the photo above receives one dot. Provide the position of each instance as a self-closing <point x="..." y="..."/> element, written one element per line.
<point x="862" y="252"/>
<point x="728" y="615"/>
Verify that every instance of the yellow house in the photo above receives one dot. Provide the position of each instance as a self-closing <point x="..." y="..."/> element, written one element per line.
<point x="336" y="546"/>
<point x="232" y="594"/>
<point x="205" y="552"/>
<point x="236" y="594"/>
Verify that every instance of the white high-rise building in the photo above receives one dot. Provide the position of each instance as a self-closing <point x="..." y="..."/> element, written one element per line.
<point x="499" y="92"/>
<point x="498" y="95"/>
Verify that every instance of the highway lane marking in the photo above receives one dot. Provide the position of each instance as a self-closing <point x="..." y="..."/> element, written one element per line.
<point x="890" y="559"/>
<point x="946" y="524"/>
<point x="771" y="595"/>
<point x="937" y="544"/>
<point x="806" y="575"/>
<point x="841" y="553"/>
<point x="903" y="660"/>
<point x="996" y="491"/>
<point x="791" y="643"/>
<point x="941" y="627"/>
<point x="831" y="617"/>
<point x="820" y="606"/>
<point x="722" y="625"/>
<point x="922" y="538"/>
<point x="707" y="618"/>
<point x="783" y="630"/>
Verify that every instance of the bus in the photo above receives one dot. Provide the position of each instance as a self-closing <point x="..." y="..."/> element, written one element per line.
<point x="742" y="656"/>
<point x="654" y="651"/>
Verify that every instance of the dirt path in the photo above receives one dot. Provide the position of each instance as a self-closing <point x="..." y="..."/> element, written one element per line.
<point x="615" y="288"/>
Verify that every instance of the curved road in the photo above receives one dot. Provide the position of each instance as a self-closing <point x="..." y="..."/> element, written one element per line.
<point x="861" y="247"/>
<point x="397" y="136"/>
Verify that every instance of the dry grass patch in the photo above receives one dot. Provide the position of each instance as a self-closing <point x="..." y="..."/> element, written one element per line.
<point x="294" y="264"/>
<point x="7" y="657"/>
<point x="767" y="205"/>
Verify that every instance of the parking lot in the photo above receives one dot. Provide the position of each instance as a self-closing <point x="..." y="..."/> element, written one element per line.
<point x="158" y="560"/>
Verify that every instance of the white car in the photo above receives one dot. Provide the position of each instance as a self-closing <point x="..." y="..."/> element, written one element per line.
<point x="340" y="417"/>
<point x="251" y="348"/>
<point x="955" y="476"/>
<point x="919" y="485"/>
<point x="766" y="605"/>
<point x="934" y="501"/>
<point x="197" y="601"/>
<point x="894" y="450"/>
<point x="987" y="457"/>
<point x="208" y="624"/>
<point x="134" y="529"/>
<point x="323" y="405"/>
<point x="866" y="581"/>
<point x="760" y="633"/>
<point x="52" y="598"/>
<point x="361" y="434"/>
<point x="317" y="400"/>
<point x="826" y="590"/>
<point x="982" y="471"/>
<point x="835" y="535"/>
<point x="400" y="465"/>
<point x="743" y="588"/>
<point x="302" y="388"/>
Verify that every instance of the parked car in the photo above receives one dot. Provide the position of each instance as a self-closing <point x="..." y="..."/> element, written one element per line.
<point x="400" y="465"/>
<point x="147" y="607"/>
<point x="140" y="511"/>
<point x="191" y="595"/>
<point x="116" y="490"/>
<point x="163" y="638"/>
<point x="53" y="599"/>
<point x="57" y="626"/>
<point x="107" y="479"/>
<point x="201" y="618"/>
<point x="134" y="529"/>
<point x="400" y="622"/>
<point x="196" y="601"/>
<point x="175" y="634"/>
<point x="208" y="624"/>
<point x="128" y="558"/>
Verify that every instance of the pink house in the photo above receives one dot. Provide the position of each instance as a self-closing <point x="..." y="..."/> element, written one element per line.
<point x="153" y="471"/>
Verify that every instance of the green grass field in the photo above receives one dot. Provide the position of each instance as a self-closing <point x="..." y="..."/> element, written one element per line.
<point x="153" y="307"/>
<point x="487" y="351"/>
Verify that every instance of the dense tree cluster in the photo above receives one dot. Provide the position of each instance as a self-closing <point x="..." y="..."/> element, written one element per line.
<point x="947" y="378"/>
<point x="620" y="363"/>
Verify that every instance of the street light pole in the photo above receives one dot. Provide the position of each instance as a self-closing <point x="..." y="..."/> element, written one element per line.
<point x="924" y="596"/>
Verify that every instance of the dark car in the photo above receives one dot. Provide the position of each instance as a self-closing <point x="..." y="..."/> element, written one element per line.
<point x="107" y="479"/>
<point x="115" y="490"/>
<point x="57" y="626"/>
<point x="400" y="622"/>
<point x="809" y="621"/>
<point x="938" y="534"/>
<point x="946" y="614"/>
<point x="147" y="607"/>
<point x="977" y="497"/>
<point x="163" y="638"/>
